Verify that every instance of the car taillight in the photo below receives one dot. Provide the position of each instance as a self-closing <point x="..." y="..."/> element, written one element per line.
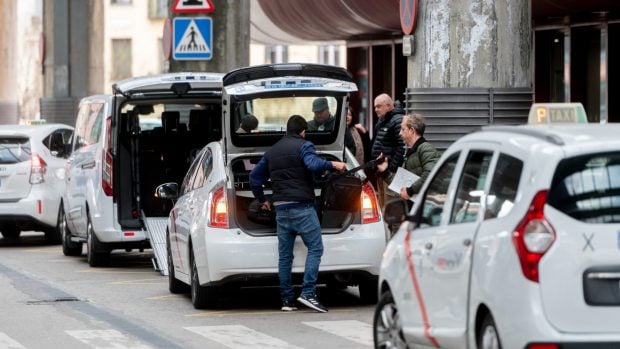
<point x="370" y="210"/>
<point x="543" y="346"/>
<point x="218" y="212"/>
<point x="37" y="169"/>
<point x="533" y="236"/>
<point x="106" y="168"/>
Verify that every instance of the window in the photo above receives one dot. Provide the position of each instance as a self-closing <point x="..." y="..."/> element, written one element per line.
<point x="121" y="59"/>
<point x="14" y="150"/>
<point x="120" y="2"/>
<point x="57" y="142"/>
<point x="471" y="187"/>
<point x="504" y="186"/>
<point x="276" y="54"/>
<point x="329" y="54"/>
<point x="158" y="9"/>
<point x="88" y="126"/>
<point x="437" y="193"/>
<point x="203" y="170"/>
<point x="587" y="188"/>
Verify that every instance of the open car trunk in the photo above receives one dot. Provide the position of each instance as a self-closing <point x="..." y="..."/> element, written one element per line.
<point x="257" y="223"/>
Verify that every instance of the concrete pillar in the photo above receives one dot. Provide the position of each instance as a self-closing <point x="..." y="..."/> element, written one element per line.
<point x="66" y="67"/>
<point x="8" y="55"/>
<point x="231" y="38"/>
<point x="472" y="43"/>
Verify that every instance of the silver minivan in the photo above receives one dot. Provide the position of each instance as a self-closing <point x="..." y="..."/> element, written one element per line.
<point x="145" y="133"/>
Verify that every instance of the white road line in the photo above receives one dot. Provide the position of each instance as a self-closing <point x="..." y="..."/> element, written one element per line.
<point x="356" y="331"/>
<point x="106" y="339"/>
<point x="7" y="342"/>
<point x="240" y="337"/>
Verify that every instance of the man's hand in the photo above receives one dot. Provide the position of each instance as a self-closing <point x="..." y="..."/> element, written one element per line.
<point x="265" y="206"/>
<point x="340" y="166"/>
<point x="384" y="165"/>
<point x="404" y="194"/>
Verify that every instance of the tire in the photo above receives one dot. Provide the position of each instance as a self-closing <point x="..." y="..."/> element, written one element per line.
<point x="488" y="337"/>
<point x="96" y="256"/>
<point x="54" y="235"/>
<point x="368" y="291"/>
<point x="174" y="285"/>
<point x="11" y="232"/>
<point x="69" y="248"/>
<point x="387" y="328"/>
<point x="203" y="297"/>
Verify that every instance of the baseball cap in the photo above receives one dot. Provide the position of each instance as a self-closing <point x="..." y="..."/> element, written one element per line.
<point x="319" y="104"/>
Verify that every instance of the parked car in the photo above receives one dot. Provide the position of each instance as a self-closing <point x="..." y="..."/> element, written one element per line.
<point x="120" y="154"/>
<point x="514" y="242"/>
<point x="32" y="165"/>
<point x="215" y="239"/>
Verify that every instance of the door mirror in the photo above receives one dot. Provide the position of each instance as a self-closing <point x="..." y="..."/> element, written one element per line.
<point x="395" y="211"/>
<point x="167" y="191"/>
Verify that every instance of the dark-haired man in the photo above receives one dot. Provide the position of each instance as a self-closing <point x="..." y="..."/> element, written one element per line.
<point x="290" y="163"/>
<point x="323" y="120"/>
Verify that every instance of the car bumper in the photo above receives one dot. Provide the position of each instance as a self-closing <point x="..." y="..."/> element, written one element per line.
<point x="32" y="212"/>
<point x="227" y="253"/>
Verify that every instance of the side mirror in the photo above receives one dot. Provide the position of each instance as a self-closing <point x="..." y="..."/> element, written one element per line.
<point x="395" y="211"/>
<point x="167" y="191"/>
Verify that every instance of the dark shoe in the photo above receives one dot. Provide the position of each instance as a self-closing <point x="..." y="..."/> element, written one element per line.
<point x="288" y="306"/>
<point x="312" y="302"/>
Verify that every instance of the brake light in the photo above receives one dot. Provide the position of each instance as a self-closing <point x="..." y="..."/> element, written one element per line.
<point x="533" y="236"/>
<point x="38" y="167"/>
<point x="370" y="210"/>
<point x="218" y="212"/>
<point x="106" y="169"/>
<point x="543" y="346"/>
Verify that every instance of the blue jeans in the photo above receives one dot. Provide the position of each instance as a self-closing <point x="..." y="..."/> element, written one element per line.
<point x="305" y="222"/>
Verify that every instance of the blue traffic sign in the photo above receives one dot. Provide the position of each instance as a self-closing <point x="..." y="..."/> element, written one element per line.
<point x="193" y="37"/>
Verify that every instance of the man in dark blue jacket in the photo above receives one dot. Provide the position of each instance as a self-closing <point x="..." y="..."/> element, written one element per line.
<point x="290" y="163"/>
<point x="387" y="141"/>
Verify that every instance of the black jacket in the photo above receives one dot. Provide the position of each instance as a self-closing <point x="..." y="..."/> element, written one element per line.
<point x="387" y="139"/>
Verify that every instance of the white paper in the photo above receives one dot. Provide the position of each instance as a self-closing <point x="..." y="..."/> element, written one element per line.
<point x="402" y="178"/>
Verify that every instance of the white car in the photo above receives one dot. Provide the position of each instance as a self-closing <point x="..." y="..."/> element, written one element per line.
<point x="32" y="170"/>
<point x="514" y="242"/>
<point x="214" y="239"/>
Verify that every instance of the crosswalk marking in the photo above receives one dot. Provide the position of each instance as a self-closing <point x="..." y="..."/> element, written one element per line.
<point x="105" y="339"/>
<point x="240" y="337"/>
<point x="7" y="342"/>
<point x="356" y="331"/>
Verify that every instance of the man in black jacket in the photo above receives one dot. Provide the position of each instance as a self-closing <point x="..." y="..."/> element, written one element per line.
<point x="290" y="163"/>
<point x="387" y="141"/>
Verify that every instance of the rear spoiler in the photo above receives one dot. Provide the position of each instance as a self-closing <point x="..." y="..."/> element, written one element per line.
<point x="287" y="69"/>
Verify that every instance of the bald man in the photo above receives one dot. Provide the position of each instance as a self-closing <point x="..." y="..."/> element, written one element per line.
<point x="387" y="141"/>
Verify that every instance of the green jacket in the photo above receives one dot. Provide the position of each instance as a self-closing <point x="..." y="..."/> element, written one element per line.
<point x="419" y="160"/>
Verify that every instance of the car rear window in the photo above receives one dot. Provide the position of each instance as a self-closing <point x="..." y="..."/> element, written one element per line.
<point x="587" y="188"/>
<point x="14" y="150"/>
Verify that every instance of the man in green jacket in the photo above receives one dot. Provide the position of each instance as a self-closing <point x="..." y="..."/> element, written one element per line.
<point x="420" y="156"/>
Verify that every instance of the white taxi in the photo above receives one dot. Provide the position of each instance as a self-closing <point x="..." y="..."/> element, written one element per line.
<point x="514" y="242"/>
<point x="214" y="236"/>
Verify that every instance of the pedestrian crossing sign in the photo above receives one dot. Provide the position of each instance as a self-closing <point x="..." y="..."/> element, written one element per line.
<point x="193" y="37"/>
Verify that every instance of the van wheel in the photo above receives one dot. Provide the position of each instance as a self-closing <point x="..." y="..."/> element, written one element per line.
<point x="174" y="285"/>
<point x="54" y="235"/>
<point x="10" y="232"/>
<point x="69" y="248"/>
<point x="95" y="254"/>
<point x="368" y="291"/>
<point x="387" y="328"/>
<point x="488" y="337"/>
<point x="202" y="296"/>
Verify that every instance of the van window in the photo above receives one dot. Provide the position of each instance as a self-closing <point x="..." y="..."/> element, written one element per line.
<point x="504" y="187"/>
<point x="471" y="187"/>
<point x="437" y="193"/>
<point x="14" y="150"/>
<point x="88" y="125"/>
<point x="587" y="188"/>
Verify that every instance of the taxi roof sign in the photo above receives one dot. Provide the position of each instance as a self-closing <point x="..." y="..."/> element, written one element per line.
<point x="557" y="113"/>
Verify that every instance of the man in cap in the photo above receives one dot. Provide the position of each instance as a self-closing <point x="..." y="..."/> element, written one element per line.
<point x="323" y="119"/>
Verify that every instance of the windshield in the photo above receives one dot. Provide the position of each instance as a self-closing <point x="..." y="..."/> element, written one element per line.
<point x="262" y="120"/>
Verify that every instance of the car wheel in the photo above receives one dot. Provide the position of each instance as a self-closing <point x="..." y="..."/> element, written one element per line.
<point x="202" y="296"/>
<point x="54" y="235"/>
<point x="174" y="285"/>
<point x="11" y="232"/>
<point x="387" y="328"/>
<point x="368" y="291"/>
<point x="95" y="256"/>
<point x="488" y="337"/>
<point x="69" y="248"/>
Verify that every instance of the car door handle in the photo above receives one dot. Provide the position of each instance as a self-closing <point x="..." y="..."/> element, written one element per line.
<point x="428" y="246"/>
<point x="88" y="165"/>
<point x="467" y="242"/>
